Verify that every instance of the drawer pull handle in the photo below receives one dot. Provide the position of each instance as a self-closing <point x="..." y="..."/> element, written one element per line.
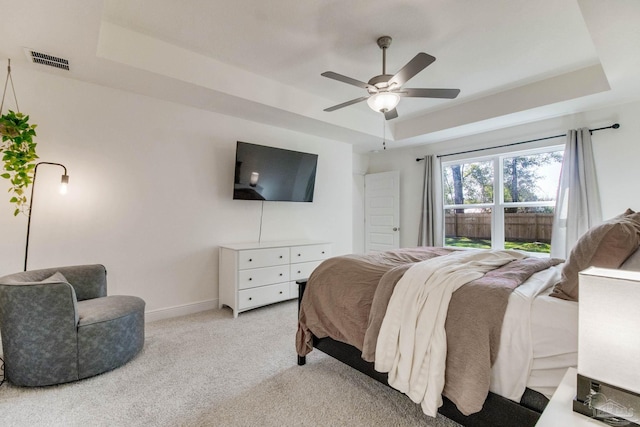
<point x="250" y="298"/>
<point x="323" y="252"/>
<point x="280" y="274"/>
<point x="250" y="279"/>
<point x="298" y="254"/>
<point x="250" y="260"/>
<point x="280" y="256"/>
<point x="298" y="271"/>
<point x="281" y="292"/>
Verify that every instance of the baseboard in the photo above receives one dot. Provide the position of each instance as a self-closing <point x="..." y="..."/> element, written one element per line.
<point x="180" y="310"/>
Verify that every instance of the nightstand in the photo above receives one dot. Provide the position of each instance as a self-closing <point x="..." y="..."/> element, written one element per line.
<point x="559" y="410"/>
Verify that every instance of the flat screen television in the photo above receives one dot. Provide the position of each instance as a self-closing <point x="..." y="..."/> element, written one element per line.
<point x="273" y="174"/>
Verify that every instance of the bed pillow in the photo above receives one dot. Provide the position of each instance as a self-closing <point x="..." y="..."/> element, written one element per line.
<point x="607" y="245"/>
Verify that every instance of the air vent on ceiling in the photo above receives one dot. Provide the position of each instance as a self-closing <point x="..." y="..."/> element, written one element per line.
<point x="46" y="59"/>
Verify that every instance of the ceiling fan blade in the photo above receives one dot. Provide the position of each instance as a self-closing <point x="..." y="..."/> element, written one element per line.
<point x="413" y="67"/>
<point x="391" y="114"/>
<point x="345" y="79"/>
<point x="346" y="104"/>
<point x="429" y="93"/>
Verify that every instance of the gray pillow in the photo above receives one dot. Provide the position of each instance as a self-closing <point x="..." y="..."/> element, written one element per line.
<point x="58" y="277"/>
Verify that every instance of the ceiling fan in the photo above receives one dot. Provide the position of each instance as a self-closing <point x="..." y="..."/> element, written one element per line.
<point x="385" y="90"/>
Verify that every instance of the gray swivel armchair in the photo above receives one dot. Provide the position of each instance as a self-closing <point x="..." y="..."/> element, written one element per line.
<point x="58" y="325"/>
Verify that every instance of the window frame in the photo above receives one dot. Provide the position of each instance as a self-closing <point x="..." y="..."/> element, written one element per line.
<point x="498" y="205"/>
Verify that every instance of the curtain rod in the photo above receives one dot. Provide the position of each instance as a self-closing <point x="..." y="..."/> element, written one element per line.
<point x="613" y="126"/>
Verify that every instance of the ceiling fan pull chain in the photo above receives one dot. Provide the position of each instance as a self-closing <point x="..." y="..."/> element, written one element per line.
<point x="384" y="133"/>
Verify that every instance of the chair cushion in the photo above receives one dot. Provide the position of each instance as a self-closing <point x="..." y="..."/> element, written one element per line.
<point x="110" y="333"/>
<point x="107" y="308"/>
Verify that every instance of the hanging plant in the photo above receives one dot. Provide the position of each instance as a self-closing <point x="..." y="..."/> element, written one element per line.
<point x="18" y="155"/>
<point x="18" y="150"/>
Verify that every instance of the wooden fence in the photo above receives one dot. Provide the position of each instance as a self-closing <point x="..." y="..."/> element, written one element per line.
<point x="519" y="227"/>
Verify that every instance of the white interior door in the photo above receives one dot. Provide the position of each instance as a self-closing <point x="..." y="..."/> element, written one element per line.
<point x="382" y="211"/>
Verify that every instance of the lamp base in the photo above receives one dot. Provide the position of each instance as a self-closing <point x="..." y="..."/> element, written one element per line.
<point x="606" y="403"/>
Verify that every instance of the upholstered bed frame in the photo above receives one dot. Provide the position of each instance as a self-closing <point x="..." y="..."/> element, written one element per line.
<point x="497" y="410"/>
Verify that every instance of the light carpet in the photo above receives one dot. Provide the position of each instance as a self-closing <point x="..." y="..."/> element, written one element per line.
<point x="209" y="369"/>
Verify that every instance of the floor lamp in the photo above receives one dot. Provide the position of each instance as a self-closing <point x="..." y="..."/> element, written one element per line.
<point x="63" y="190"/>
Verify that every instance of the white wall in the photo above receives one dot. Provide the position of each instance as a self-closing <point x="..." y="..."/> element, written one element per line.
<point x="150" y="191"/>
<point x="617" y="154"/>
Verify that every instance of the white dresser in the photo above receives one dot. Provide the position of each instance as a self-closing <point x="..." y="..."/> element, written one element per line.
<point x="256" y="274"/>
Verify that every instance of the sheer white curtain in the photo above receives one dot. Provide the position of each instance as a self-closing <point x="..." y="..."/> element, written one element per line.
<point x="578" y="201"/>
<point x="431" y="216"/>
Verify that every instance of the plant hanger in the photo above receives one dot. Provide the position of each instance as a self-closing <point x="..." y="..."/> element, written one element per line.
<point x="13" y="89"/>
<point x="17" y="148"/>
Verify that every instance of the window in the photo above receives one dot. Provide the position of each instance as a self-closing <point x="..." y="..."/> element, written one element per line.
<point x="503" y="201"/>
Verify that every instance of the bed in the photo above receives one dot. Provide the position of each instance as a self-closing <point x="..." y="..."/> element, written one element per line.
<point x="498" y="349"/>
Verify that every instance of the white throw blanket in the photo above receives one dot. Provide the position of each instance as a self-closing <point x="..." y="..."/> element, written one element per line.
<point x="412" y="344"/>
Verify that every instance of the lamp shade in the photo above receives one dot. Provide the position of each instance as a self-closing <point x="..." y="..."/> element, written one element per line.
<point x="64" y="182"/>
<point x="383" y="101"/>
<point x="609" y="323"/>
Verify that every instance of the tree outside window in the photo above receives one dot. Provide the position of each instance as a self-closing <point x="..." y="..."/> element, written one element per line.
<point x="520" y="218"/>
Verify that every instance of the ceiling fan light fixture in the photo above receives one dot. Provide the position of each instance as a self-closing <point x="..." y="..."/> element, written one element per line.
<point x="383" y="101"/>
<point x="384" y="90"/>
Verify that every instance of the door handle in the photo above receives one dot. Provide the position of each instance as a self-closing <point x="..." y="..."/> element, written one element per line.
<point x="396" y="228"/>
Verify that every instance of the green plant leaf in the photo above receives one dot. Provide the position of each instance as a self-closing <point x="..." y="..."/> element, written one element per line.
<point x="18" y="155"/>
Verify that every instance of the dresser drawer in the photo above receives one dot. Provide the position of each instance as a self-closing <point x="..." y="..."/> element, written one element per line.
<point x="262" y="276"/>
<point x="255" y="258"/>
<point x="303" y="270"/>
<point x="263" y="295"/>
<point x="310" y="252"/>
